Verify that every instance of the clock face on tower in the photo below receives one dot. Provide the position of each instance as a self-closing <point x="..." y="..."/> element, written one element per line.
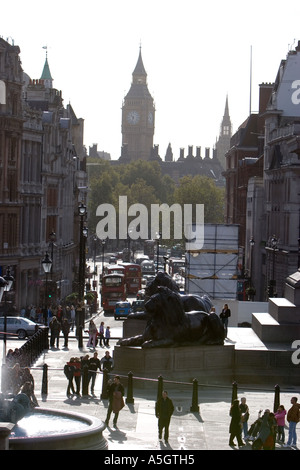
<point x="133" y="117"/>
<point x="150" y="117"/>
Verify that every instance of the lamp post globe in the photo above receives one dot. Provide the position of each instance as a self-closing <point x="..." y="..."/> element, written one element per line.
<point x="47" y="263"/>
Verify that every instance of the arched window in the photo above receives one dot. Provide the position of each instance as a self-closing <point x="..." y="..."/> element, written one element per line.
<point x="2" y="92"/>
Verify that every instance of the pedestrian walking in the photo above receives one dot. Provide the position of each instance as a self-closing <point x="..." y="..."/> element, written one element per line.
<point x="94" y="364"/>
<point x="245" y="416"/>
<point x="224" y="315"/>
<point x="65" y="330"/>
<point x="73" y="316"/>
<point x="101" y="334"/>
<point x="69" y="370"/>
<point x="164" y="409"/>
<point x="280" y="419"/>
<point x="106" y="362"/>
<point x="235" y="428"/>
<point x="54" y="326"/>
<point x="116" y="401"/>
<point x="77" y="374"/>
<point x="107" y="336"/>
<point x="92" y="335"/>
<point x="293" y="416"/>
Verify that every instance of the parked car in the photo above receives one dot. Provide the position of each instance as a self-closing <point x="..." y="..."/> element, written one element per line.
<point x="138" y="306"/>
<point x="122" y="309"/>
<point x="22" y="327"/>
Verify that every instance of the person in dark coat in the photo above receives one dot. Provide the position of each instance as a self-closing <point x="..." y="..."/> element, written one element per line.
<point x="65" y="329"/>
<point x="55" y="327"/>
<point x="235" y="428"/>
<point x="116" y="402"/>
<point x="164" y="409"/>
<point x="224" y="316"/>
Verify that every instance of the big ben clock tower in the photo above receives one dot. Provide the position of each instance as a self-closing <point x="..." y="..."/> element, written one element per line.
<point x="138" y="114"/>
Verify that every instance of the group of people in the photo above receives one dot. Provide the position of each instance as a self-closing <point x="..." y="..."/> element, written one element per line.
<point x="45" y="315"/>
<point x="164" y="407"/>
<point x="103" y="335"/>
<point x="56" y="327"/>
<point x="64" y="325"/>
<point x="224" y="316"/>
<point x="20" y="380"/>
<point x="74" y="372"/>
<point x="267" y="428"/>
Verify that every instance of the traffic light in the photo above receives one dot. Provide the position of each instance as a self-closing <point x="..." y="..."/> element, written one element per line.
<point x="51" y="289"/>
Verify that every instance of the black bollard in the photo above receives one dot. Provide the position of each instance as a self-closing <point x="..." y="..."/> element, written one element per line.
<point x="195" y="406"/>
<point x="104" y="393"/>
<point x="85" y="380"/>
<point x="130" y="398"/>
<point x="45" y="381"/>
<point x="234" y="392"/>
<point x="80" y="339"/>
<point x="276" y="398"/>
<point x="160" y="386"/>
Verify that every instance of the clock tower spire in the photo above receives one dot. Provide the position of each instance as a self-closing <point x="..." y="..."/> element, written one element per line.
<point x="138" y="114"/>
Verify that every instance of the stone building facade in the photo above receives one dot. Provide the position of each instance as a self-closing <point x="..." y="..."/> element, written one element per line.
<point x="262" y="182"/>
<point x="42" y="163"/>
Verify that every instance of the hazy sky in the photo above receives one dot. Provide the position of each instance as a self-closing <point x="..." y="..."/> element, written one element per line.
<point x="194" y="52"/>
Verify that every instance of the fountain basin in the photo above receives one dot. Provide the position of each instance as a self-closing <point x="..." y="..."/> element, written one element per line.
<point x="48" y="429"/>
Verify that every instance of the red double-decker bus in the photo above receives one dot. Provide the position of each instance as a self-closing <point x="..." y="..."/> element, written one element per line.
<point x="113" y="290"/>
<point x="133" y="277"/>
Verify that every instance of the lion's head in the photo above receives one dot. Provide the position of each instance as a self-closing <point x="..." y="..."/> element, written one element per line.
<point x="166" y="307"/>
<point x="161" y="279"/>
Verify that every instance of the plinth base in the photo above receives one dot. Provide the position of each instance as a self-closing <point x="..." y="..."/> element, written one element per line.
<point x="208" y="364"/>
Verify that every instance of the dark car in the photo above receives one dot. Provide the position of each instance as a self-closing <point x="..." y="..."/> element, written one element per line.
<point x="137" y="306"/>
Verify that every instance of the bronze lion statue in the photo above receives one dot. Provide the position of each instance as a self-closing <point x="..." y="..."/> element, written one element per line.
<point x="190" y="301"/>
<point x="169" y="325"/>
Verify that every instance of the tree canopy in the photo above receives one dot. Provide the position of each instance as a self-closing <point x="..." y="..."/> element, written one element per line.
<point x="143" y="183"/>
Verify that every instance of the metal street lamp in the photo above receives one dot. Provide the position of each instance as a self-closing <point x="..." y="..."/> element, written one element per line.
<point x="82" y="211"/>
<point x="6" y="285"/>
<point x="272" y="283"/>
<point x="103" y="247"/>
<point x="158" y="237"/>
<point x="252" y="290"/>
<point x="52" y="240"/>
<point x="47" y="265"/>
<point x="9" y="282"/>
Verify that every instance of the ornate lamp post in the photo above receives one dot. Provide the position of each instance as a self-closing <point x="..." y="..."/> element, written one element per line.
<point x="272" y="283"/>
<point x="103" y="248"/>
<point x="47" y="266"/>
<point x="52" y="240"/>
<point x="6" y="283"/>
<point x="158" y="237"/>
<point x="251" y="289"/>
<point x="82" y="241"/>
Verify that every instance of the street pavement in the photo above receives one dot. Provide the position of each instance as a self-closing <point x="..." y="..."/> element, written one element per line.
<point x="191" y="431"/>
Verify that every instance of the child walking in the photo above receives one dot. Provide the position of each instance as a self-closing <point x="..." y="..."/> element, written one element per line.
<point x="107" y="336"/>
<point x="280" y="418"/>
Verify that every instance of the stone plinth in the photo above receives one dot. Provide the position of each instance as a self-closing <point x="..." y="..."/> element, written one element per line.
<point x="133" y="327"/>
<point x="282" y="323"/>
<point x="292" y="288"/>
<point x="208" y="364"/>
<point x="5" y="430"/>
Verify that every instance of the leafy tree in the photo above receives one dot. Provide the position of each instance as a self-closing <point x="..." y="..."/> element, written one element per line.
<point x="202" y="190"/>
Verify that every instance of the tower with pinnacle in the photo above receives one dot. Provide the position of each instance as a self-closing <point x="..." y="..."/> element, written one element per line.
<point x="138" y="117"/>
<point x="223" y="143"/>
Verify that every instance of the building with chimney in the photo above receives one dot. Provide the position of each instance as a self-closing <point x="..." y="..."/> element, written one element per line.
<point x="42" y="161"/>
